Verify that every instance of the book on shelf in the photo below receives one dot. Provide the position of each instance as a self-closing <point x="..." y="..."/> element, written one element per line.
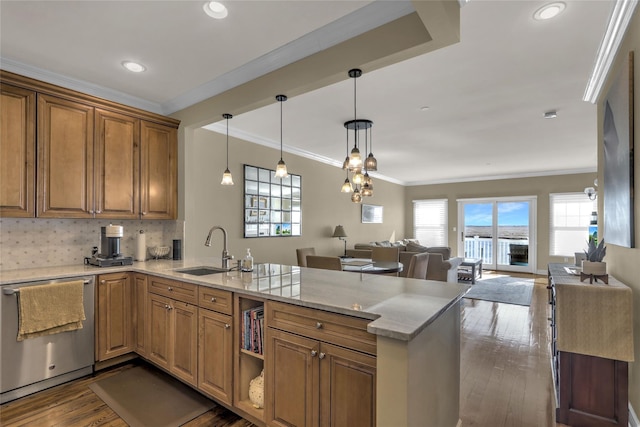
<point x="253" y="329"/>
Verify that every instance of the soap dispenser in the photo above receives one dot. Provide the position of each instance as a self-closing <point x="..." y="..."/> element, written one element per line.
<point x="247" y="261"/>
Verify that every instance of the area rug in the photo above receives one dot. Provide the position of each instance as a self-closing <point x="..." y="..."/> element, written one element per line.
<point x="509" y="290"/>
<point x="144" y="396"/>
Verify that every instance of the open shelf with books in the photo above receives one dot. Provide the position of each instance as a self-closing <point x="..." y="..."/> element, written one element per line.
<point x="248" y="353"/>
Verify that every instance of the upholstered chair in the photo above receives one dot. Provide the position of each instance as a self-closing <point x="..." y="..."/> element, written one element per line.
<point x="302" y="255"/>
<point x="325" y="262"/>
<point x="418" y="266"/>
<point x="379" y="253"/>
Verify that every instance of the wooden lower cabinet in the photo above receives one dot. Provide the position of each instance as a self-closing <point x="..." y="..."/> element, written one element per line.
<point x="312" y="383"/>
<point x="114" y="330"/>
<point x="173" y="333"/>
<point x="215" y="351"/>
<point x="140" y="308"/>
<point x="593" y="391"/>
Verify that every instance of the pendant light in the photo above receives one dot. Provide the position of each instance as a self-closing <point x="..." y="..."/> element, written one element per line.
<point x="227" y="179"/>
<point x="355" y="160"/>
<point x="281" y="168"/>
<point x="356" y="197"/>
<point x="371" y="163"/>
<point x="346" y="186"/>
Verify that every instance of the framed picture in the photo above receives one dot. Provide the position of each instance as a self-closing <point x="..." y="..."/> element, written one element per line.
<point x="371" y="214"/>
<point x="618" y="158"/>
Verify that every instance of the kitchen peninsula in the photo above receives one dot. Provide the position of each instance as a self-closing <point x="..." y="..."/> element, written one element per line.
<point x="400" y="336"/>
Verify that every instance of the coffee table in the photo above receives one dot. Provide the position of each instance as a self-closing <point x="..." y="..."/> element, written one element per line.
<point x="469" y="268"/>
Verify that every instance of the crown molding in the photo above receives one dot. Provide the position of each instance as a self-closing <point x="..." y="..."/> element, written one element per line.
<point x="79" y="85"/>
<point x="609" y="46"/>
<point x="506" y="176"/>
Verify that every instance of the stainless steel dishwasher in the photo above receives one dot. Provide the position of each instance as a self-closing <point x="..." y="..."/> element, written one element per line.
<point x="38" y="363"/>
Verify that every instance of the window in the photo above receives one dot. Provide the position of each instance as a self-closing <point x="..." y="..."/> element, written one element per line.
<point x="272" y="206"/>
<point x="430" y="225"/>
<point x="570" y="214"/>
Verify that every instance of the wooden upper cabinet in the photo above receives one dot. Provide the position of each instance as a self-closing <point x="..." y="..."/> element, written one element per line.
<point x="158" y="171"/>
<point x="17" y="151"/>
<point x="65" y="158"/>
<point x="117" y="165"/>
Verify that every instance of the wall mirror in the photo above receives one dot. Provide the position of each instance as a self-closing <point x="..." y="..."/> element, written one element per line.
<point x="272" y="206"/>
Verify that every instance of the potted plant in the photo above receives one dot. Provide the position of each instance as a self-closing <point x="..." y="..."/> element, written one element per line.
<point x="593" y="263"/>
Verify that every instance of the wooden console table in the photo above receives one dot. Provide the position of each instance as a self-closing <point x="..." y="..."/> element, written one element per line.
<point x="591" y="345"/>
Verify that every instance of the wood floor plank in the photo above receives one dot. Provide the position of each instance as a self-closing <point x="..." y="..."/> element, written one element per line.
<point x="505" y="376"/>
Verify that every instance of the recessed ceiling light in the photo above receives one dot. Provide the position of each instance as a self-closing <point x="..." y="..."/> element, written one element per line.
<point x="550" y="115"/>
<point x="215" y="10"/>
<point x="133" y="66"/>
<point x="549" y="11"/>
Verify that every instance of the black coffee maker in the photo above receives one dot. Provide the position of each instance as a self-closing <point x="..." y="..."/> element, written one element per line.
<point x="109" y="255"/>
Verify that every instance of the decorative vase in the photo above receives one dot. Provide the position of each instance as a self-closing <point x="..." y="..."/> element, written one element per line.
<point x="256" y="390"/>
<point x="595" y="268"/>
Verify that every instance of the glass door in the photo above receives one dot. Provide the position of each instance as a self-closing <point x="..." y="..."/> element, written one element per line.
<point x="501" y="231"/>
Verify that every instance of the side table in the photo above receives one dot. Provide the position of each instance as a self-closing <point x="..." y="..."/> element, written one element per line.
<point x="469" y="268"/>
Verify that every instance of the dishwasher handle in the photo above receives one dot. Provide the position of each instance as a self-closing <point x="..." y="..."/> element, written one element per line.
<point x="15" y="291"/>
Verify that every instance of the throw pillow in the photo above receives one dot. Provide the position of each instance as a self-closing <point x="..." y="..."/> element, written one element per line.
<point x="385" y="244"/>
<point x="413" y="247"/>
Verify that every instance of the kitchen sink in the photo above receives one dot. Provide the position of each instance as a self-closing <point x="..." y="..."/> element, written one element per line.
<point x="202" y="271"/>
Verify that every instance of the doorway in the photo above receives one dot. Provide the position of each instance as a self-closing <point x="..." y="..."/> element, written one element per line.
<point x="500" y="230"/>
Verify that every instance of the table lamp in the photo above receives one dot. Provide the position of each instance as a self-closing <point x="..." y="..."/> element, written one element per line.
<point x="340" y="234"/>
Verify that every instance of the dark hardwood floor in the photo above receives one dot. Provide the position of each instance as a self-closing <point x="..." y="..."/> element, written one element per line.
<point x="505" y="376"/>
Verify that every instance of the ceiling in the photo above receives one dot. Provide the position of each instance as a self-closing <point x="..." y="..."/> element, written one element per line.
<point x="486" y="95"/>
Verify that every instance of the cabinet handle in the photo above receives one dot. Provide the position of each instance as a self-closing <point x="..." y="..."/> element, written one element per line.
<point x="227" y="326"/>
<point x="144" y="213"/>
<point x="318" y="325"/>
<point x="98" y="211"/>
<point x="170" y="289"/>
<point x="91" y="212"/>
<point x="213" y="299"/>
<point x="170" y="308"/>
<point x="103" y="281"/>
<point x="166" y="306"/>
<point x="321" y="356"/>
<point x="314" y="353"/>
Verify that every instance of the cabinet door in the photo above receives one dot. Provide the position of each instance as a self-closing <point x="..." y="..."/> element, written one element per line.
<point x="291" y="380"/>
<point x="184" y="346"/>
<point x="158" y="171"/>
<point x="114" y="323"/>
<point x="215" y="341"/>
<point x="347" y="387"/>
<point x="65" y="158"/>
<point x="140" y="308"/>
<point x="159" y="330"/>
<point x="117" y="165"/>
<point x="17" y="151"/>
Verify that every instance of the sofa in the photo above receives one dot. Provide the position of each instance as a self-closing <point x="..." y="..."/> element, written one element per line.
<point x="441" y="265"/>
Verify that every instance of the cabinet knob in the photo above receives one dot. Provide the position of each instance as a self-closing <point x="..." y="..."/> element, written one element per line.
<point x="170" y="308"/>
<point x="319" y="325"/>
<point x="321" y="356"/>
<point x="213" y="299"/>
<point x="314" y="353"/>
<point x="103" y="281"/>
<point x="166" y="306"/>
<point x="227" y="326"/>
<point x="170" y="288"/>
<point x="91" y="212"/>
<point x="98" y="211"/>
<point x="144" y="213"/>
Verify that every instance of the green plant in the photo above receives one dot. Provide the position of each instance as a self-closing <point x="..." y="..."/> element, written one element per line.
<point x="595" y="253"/>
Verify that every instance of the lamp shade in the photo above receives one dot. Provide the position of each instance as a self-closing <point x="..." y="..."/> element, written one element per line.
<point x="339" y="232"/>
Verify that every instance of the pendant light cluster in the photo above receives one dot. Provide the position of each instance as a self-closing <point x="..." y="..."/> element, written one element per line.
<point x="360" y="185"/>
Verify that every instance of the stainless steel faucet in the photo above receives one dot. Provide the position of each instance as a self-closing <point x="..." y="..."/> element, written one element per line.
<point x="225" y="254"/>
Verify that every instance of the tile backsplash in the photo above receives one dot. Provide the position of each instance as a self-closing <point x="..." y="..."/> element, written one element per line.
<point x="45" y="242"/>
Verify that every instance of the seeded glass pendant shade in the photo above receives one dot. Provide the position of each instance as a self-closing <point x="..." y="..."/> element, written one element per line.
<point x="346" y="187"/>
<point x="227" y="179"/>
<point x="281" y="168"/>
<point x="356" y="197"/>
<point x="371" y="163"/>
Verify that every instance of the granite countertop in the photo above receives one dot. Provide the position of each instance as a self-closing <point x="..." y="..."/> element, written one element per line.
<point x="399" y="308"/>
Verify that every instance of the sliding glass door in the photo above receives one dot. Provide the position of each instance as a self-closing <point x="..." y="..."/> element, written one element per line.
<point x="501" y="231"/>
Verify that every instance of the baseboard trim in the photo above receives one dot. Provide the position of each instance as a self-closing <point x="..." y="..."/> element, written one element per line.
<point x="633" y="418"/>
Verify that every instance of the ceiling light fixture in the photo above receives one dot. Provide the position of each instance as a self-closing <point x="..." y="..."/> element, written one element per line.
<point x="134" y="67"/>
<point x="215" y="9"/>
<point x="550" y="114"/>
<point x="281" y="168"/>
<point x="227" y="179"/>
<point x="549" y="11"/>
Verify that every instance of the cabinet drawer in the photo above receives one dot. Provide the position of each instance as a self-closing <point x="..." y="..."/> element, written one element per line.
<point x="180" y="291"/>
<point x="215" y="299"/>
<point x="345" y="331"/>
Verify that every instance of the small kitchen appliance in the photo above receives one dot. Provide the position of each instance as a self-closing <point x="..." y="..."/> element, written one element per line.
<point x="109" y="248"/>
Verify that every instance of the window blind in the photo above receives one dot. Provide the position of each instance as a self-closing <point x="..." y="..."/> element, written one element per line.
<point x="430" y="222"/>
<point x="570" y="214"/>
